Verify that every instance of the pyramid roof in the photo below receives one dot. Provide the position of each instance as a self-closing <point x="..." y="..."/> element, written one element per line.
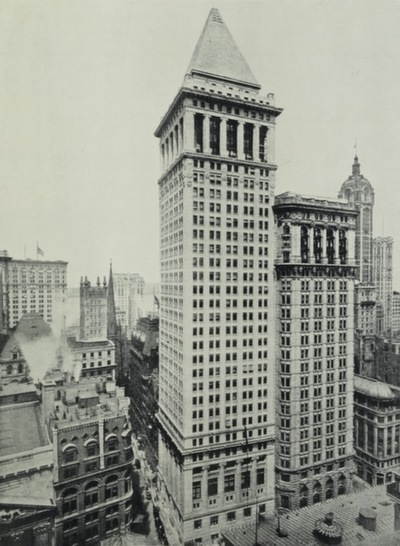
<point x="217" y="55"/>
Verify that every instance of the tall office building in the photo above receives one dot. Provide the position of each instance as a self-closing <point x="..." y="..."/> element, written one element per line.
<point x="396" y="312"/>
<point x="216" y="410"/>
<point x="35" y="286"/>
<point x="315" y="271"/>
<point x="383" y="278"/>
<point x="358" y="191"/>
<point x="128" y="299"/>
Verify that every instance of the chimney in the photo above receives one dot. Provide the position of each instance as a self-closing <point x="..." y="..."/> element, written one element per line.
<point x="48" y="399"/>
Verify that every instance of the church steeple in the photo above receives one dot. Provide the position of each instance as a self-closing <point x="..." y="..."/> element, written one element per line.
<point x="111" y="316"/>
<point x="217" y="56"/>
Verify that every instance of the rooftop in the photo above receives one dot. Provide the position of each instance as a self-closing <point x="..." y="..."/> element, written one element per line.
<point x="21" y="428"/>
<point x="88" y="400"/>
<point x="217" y="55"/>
<point x="373" y="388"/>
<point x="300" y="523"/>
<point x="291" y="198"/>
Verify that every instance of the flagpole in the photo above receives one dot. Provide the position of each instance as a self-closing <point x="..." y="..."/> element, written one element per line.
<point x="37" y="251"/>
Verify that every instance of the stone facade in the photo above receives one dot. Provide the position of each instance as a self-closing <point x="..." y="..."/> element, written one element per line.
<point x="315" y="272"/>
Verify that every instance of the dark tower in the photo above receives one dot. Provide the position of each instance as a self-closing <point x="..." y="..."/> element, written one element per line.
<point x="111" y="316"/>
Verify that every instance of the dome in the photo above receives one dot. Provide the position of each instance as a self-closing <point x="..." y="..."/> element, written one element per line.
<point x="373" y="389"/>
<point x="357" y="184"/>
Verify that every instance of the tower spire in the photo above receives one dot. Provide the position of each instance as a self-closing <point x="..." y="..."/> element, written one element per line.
<point x="356" y="166"/>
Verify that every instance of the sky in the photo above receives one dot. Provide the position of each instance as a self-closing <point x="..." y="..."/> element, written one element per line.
<point x="84" y="84"/>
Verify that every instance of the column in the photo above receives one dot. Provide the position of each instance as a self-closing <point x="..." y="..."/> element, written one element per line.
<point x="269" y="145"/>
<point x="176" y="135"/>
<point x="310" y="243"/>
<point x="222" y="138"/>
<point x="336" y="245"/>
<point x="188" y="131"/>
<point x="324" y="243"/>
<point x="56" y="471"/>
<point x="240" y="140"/>
<point x="375" y="451"/>
<point x="180" y="135"/>
<point x="256" y="142"/>
<point x="296" y="243"/>
<point x="238" y="480"/>
<point x="171" y="143"/>
<point x="206" y="134"/>
<point x="350" y="246"/>
<point x="204" y="488"/>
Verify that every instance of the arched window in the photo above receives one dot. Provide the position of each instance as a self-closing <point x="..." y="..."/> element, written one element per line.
<point x="341" y="485"/>
<point x="91" y="494"/>
<point x="330" y="246"/>
<point x="70" y="454"/>
<point x="317" y="245"/>
<point x="92" y="448"/>
<point x="20" y="368"/>
<point x="112" y="443"/>
<point x="304" y="245"/>
<point x="69" y="501"/>
<point x="9" y="369"/>
<point x="303" y="496"/>
<point x="316" y="493"/>
<point x="111" y="487"/>
<point x="329" y="488"/>
<point x="286" y="229"/>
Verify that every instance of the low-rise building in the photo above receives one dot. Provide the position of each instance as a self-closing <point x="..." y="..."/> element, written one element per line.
<point x="376" y="430"/>
<point x="27" y="507"/>
<point x="93" y="456"/>
<point x="93" y="358"/>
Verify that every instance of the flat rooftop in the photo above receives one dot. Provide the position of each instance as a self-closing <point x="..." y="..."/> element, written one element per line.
<point x="300" y="523"/>
<point x="21" y="428"/>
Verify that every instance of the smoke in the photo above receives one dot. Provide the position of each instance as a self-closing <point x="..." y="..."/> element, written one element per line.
<point x="45" y="346"/>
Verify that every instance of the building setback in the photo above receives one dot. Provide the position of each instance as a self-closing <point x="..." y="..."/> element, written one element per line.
<point x="216" y="390"/>
<point x="315" y="272"/>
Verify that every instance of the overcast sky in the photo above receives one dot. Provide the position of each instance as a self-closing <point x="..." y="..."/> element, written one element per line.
<point x="83" y="85"/>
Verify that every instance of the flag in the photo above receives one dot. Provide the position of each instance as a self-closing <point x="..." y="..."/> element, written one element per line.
<point x="156" y="301"/>
<point x="39" y="251"/>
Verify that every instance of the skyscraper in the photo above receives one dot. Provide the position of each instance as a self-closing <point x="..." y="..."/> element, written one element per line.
<point x="383" y="278"/>
<point x="358" y="191"/>
<point x="315" y="272"/>
<point x="216" y="409"/>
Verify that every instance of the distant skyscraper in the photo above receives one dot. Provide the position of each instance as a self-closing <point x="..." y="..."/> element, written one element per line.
<point x="383" y="277"/>
<point x="93" y="310"/>
<point x="359" y="192"/>
<point x="396" y="312"/>
<point x="315" y="271"/>
<point x="34" y="286"/>
<point x="128" y="288"/>
<point x="217" y="346"/>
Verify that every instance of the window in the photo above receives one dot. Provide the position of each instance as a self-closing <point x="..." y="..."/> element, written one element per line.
<point x="70" y="454"/>
<point x="229" y="483"/>
<point x="91" y="494"/>
<point x="197" y="524"/>
<point x="69" y="503"/>
<point x="245" y="481"/>
<point x="212" y="486"/>
<point x="231" y="516"/>
<point x="92" y="449"/>
<point x="196" y="490"/>
<point x="111" y="487"/>
<point x="112" y="444"/>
